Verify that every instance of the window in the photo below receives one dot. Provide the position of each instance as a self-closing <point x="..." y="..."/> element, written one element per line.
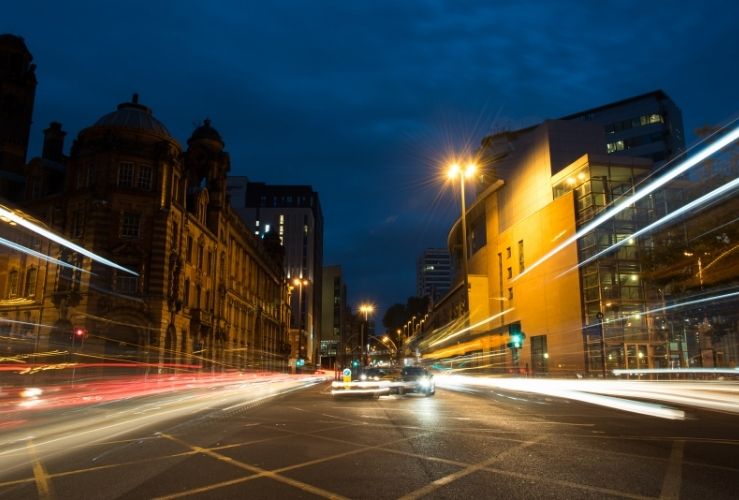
<point x="30" y="285"/>
<point x="186" y="294"/>
<point x="78" y="223"/>
<point x="612" y="147"/>
<point x="508" y="252"/>
<point x="189" y="249"/>
<point x="175" y="236"/>
<point x="13" y="284"/>
<point x="176" y="188"/>
<point x="509" y="273"/>
<point x="130" y="225"/>
<point x="521" y="265"/>
<point x="201" y="250"/>
<point x="126" y="284"/>
<point x="510" y="294"/>
<point x="144" y="180"/>
<point x="125" y="174"/>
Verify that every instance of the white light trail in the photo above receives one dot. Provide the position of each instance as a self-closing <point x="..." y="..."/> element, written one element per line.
<point x="680" y="169"/>
<point x="712" y="298"/>
<point x="13" y="217"/>
<point x="677" y="213"/>
<point x="479" y="323"/>
<point x="43" y="256"/>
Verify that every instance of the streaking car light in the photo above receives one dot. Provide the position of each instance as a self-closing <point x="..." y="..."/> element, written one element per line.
<point x="31" y="392"/>
<point x="42" y="256"/>
<point x="13" y="217"/>
<point x="625" y="203"/>
<point x="690" y="207"/>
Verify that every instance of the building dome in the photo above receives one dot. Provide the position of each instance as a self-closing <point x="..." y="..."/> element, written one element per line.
<point x="133" y="115"/>
<point x="207" y="133"/>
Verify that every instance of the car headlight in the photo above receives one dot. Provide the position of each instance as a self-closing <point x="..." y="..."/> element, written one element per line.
<point x="363" y="377"/>
<point x="424" y="382"/>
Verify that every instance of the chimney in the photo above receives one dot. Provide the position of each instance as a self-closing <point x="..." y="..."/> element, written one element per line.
<point x="54" y="143"/>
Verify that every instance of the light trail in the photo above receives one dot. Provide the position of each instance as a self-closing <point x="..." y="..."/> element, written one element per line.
<point x="667" y="218"/>
<point x="63" y="434"/>
<point x="13" y="217"/>
<point x="680" y="169"/>
<point x="712" y="298"/>
<point x="479" y="323"/>
<point x="43" y="256"/>
<point x="715" y="396"/>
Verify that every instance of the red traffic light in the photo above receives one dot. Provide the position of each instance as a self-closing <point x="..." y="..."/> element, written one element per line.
<point x="80" y="331"/>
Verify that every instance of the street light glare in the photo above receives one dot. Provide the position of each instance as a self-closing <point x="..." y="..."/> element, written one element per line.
<point x="454" y="170"/>
<point x="470" y="170"/>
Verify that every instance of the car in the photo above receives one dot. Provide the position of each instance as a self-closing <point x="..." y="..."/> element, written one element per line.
<point x="415" y="379"/>
<point x="371" y="382"/>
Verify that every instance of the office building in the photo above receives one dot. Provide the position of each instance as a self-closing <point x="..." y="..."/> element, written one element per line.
<point x="433" y="273"/>
<point x="292" y="215"/>
<point x="333" y="315"/>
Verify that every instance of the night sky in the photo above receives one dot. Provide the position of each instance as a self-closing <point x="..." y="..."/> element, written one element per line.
<point x="364" y="100"/>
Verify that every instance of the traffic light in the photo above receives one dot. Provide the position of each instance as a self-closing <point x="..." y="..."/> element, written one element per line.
<point x="355" y="363"/>
<point x="300" y="362"/>
<point x="515" y="336"/>
<point x="79" y="332"/>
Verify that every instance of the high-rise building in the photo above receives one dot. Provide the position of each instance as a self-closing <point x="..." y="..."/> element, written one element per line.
<point x="17" y="95"/>
<point x="333" y="314"/>
<point x="433" y="273"/>
<point x="292" y="215"/>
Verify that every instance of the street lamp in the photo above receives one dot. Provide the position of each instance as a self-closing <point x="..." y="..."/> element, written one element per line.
<point x="300" y="282"/>
<point x="387" y="339"/>
<point x="455" y="170"/>
<point x="366" y="309"/>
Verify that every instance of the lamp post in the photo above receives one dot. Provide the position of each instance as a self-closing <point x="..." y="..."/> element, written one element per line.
<point x="366" y="309"/>
<point x="456" y="171"/>
<point x="599" y="316"/>
<point x="387" y="339"/>
<point x="300" y="282"/>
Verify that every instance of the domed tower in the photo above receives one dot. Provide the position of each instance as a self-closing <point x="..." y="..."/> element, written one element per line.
<point x="17" y="94"/>
<point x="124" y="177"/>
<point x="207" y="166"/>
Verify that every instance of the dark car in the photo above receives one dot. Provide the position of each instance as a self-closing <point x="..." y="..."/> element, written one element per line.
<point x="416" y="379"/>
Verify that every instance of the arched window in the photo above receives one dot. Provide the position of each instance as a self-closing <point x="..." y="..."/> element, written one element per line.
<point x="30" y="285"/>
<point x="13" y="283"/>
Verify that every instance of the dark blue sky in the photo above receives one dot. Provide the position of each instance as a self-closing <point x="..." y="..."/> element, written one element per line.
<point x="364" y="99"/>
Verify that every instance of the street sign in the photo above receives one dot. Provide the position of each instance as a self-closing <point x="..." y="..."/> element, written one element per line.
<point x="347" y="373"/>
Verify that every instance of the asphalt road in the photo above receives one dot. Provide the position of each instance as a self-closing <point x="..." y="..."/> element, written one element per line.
<point x="476" y="444"/>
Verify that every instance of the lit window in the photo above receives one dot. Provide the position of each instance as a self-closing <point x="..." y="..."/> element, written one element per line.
<point x="30" y="290"/>
<point x="13" y="284"/>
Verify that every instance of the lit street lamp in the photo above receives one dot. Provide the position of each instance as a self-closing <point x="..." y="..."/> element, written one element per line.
<point x="387" y="339"/>
<point x="366" y="309"/>
<point x="456" y="171"/>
